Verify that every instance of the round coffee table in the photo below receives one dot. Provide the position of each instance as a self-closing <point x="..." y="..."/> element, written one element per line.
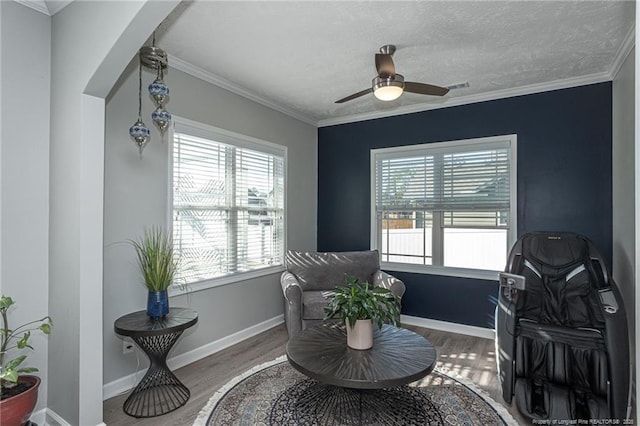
<point x="360" y="387"/>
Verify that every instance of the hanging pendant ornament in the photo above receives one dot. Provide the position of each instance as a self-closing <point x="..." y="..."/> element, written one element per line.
<point x="140" y="134"/>
<point x="161" y="117"/>
<point x="153" y="58"/>
<point x="139" y="131"/>
<point x="158" y="90"/>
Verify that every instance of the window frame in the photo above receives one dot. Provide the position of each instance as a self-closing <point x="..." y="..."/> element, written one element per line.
<point x="512" y="229"/>
<point x="216" y="134"/>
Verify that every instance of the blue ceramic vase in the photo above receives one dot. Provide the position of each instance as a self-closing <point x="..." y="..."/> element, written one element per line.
<point x="157" y="304"/>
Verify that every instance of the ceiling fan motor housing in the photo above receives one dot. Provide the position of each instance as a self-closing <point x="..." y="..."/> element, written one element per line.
<point x="388" y="88"/>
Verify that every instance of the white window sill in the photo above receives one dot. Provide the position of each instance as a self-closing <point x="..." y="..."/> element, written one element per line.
<point x="441" y="270"/>
<point x="176" y="290"/>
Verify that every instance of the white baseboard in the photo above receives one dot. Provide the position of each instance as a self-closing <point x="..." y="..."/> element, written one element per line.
<point x="124" y="384"/>
<point x="48" y="417"/>
<point x="51" y="418"/>
<point x="38" y="417"/>
<point x="469" y="330"/>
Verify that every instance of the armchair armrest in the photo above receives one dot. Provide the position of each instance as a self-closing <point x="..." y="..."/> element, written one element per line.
<point x="291" y="288"/>
<point x="292" y="292"/>
<point x="383" y="279"/>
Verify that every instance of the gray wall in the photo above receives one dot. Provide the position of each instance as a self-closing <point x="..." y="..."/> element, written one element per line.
<point x="91" y="43"/>
<point x="136" y="196"/>
<point x="624" y="176"/>
<point x="24" y="172"/>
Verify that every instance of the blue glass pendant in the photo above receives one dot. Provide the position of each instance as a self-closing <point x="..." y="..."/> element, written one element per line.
<point x="140" y="134"/>
<point x="159" y="91"/>
<point x="161" y="117"/>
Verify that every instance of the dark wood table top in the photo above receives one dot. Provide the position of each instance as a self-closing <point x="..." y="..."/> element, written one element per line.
<point x="138" y="324"/>
<point x="398" y="357"/>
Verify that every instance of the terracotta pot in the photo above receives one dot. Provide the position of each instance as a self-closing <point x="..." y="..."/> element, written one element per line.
<point x="360" y="336"/>
<point x="16" y="410"/>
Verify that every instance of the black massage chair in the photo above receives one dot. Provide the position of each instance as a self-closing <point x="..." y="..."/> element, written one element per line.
<point x="561" y="327"/>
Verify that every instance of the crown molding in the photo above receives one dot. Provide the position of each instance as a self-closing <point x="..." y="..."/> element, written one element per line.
<point x="627" y="46"/>
<point x="38" y="5"/>
<point x="57" y="5"/>
<point x="223" y="83"/>
<point x="195" y="71"/>
<point x="49" y="8"/>
<point x="471" y="99"/>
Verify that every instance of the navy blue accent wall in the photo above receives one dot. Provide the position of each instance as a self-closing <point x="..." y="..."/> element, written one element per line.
<point x="564" y="181"/>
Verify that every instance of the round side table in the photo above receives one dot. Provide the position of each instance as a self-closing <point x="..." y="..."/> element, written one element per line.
<point x="159" y="392"/>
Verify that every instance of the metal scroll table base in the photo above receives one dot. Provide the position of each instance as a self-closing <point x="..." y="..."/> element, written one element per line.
<point x="321" y="404"/>
<point x="159" y="391"/>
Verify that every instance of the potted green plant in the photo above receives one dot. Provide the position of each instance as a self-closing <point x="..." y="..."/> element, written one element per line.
<point x="19" y="390"/>
<point x="361" y="305"/>
<point x="154" y="253"/>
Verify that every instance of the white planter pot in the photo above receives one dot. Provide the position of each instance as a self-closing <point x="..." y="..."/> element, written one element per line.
<point x="360" y="336"/>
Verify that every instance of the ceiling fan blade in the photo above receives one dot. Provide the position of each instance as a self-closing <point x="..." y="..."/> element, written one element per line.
<point x="355" y="95"/>
<point x="425" y="89"/>
<point x="384" y="65"/>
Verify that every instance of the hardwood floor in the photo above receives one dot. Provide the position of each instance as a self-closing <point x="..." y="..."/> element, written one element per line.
<point x="471" y="357"/>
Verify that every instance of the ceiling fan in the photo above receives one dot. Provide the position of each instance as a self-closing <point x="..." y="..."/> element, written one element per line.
<point x="388" y="86"/>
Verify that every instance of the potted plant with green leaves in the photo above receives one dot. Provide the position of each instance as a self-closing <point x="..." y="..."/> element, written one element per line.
<point x="154" y="253"/>
<point x="19" y="389"/>
<point x="361" y="305"/>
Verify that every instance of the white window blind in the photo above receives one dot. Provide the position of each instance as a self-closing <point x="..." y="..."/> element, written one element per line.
<point x="445" y="204"/>
<point x="474" y="178"/>
<point x="228" y="205"/>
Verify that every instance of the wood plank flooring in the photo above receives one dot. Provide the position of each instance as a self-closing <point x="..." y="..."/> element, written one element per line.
<point x="471" y="357"/>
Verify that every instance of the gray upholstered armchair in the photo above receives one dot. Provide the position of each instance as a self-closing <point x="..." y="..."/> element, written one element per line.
<point x="310" y="274"/>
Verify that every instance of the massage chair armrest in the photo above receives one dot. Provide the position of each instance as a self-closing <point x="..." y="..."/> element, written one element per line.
<point x="516" y="282"/>
<point x="388" y="281"/>
<point x="510" y="285"/>
<point x="505" y="326"/>
<point x="620" y="365"/>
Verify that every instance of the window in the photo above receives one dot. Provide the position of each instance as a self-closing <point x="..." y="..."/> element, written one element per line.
<point x="445" y="208"/>
<point x="228" y="204"/>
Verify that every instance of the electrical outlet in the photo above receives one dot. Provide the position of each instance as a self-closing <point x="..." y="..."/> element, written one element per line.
<point x="127" y="346"/>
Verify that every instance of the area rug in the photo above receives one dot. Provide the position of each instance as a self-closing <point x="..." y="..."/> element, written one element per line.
<point x="273" y="393"/>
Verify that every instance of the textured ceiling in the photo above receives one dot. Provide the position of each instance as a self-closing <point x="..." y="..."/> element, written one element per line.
<point x="302" y="56"/>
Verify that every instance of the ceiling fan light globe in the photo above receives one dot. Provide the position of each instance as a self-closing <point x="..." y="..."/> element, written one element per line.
<point x="388" y="88"/>
<point x="388" y="93"/>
